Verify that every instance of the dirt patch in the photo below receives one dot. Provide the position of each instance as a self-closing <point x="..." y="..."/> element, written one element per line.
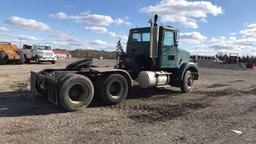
<point x="21" y="86"/>
<point x="253" y="91"/>
<point x="20" y="132"/>
<point x="217" y="85"/>
<point x="164" y="112"/>
<point x="226" y="92"/>
<point x="216" y="93"/>
<point x="236" y="81"/>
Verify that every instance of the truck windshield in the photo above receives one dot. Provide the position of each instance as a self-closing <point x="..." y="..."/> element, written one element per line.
<point x="141" y="37"/>
<point x="42" y="48"/>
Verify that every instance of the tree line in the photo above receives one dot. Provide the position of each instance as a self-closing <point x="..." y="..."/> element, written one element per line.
<point x="87" y="53"/>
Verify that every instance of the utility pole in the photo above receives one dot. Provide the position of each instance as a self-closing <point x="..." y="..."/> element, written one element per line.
<point x="20" y="42"/>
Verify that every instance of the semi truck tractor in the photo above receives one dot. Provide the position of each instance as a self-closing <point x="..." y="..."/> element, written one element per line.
<point x="152" y="58"/>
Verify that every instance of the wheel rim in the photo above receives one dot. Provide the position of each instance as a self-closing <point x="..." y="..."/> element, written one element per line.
<point x="115" y="89"/>
<point x="77" y="93"/>
<point x="190" y="81"/>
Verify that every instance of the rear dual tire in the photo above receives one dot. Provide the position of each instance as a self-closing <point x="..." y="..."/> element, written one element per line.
<point x="113" y="89"/>
<point x="76" y="91"/>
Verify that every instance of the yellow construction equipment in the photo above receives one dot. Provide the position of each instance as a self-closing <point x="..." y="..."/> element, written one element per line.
<point x="10" y="53"/>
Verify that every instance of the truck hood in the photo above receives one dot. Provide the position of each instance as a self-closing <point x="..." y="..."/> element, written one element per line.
<point x="45" y="51"/>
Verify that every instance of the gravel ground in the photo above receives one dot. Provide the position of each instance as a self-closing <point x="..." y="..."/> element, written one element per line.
<point x="223" y="101"/>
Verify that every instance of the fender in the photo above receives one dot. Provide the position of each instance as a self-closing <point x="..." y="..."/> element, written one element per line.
<point x="118" y="71"/>
<point x="189" y="66"/>
<point x="111" y="70"/>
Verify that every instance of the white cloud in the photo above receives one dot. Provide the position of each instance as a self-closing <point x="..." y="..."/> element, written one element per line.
<point x="28" y="38"/>
<point x="192" y="38"/>
<point x="27" y="23"/>
<point x="104" y="30"/>
<point x="17" y="38"/>
<point x="100" y="42"/>
<point x="103" y="45"/>
<point x="66" y="40"/>
<point x="59" y="39"/>
<point x="242" y="43"/>
<point x="246" y="39"/>
<point x="96" y="29"/>
<point x="95" y="19"/>
<point x="4" y="29"/>
<point x="187" y="13"/>
<point x="232" y="33"/>
<point x="250" y="31"/>
<point x="203" y="50"/>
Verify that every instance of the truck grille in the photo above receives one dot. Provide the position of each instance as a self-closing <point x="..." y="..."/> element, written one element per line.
<point x="48" y="54"/>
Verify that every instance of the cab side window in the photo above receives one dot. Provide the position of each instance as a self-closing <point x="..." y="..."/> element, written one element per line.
<point x="168" y="38"/>
<point x="146" y="37"/>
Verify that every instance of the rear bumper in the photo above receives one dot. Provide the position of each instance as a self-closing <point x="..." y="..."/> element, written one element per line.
<point x="45" y="86"/>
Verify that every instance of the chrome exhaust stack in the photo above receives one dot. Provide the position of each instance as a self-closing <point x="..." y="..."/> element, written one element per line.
<point x="153" y="49"/>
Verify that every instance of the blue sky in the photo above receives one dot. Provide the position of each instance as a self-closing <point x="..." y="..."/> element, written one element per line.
<point x="206" y="27"/>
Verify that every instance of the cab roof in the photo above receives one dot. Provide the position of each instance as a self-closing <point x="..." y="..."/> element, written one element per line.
<point x="147" y="29"/>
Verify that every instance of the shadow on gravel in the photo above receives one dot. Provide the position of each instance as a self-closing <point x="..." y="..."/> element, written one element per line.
<point x="22" y="103"/>
<point x="143" y="93"/>
<point x="217" y="85"/>
<point x="140" y="93"/>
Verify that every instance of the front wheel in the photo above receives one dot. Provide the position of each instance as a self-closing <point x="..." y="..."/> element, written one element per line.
<point x="37" y="60"/>
<point x="187" y="83"/>
<point x="76" y="91"/>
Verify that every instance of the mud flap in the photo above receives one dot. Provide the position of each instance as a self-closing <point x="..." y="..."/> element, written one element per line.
<point x="49" y="83"/>
<point x="52" y="89"/>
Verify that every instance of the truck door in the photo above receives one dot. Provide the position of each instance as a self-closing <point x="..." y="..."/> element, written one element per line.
<point x="27" y="51"/>
<point x="167" y="49"/>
